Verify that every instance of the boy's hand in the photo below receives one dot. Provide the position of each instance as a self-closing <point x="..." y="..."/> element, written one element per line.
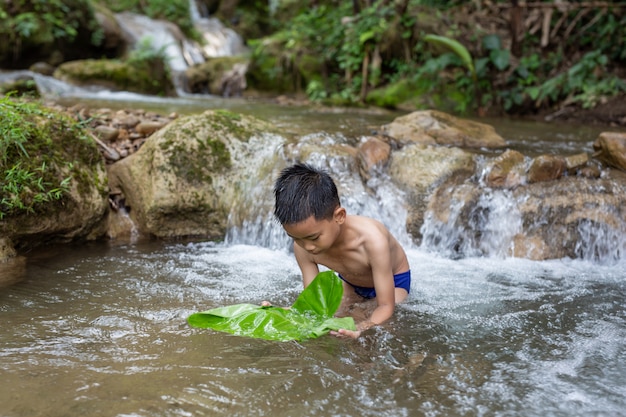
<point x="347" y="333"/>
<point x="265" y="304"/>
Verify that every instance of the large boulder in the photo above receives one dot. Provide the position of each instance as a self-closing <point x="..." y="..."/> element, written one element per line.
<point x="54" y="179"/>
<point x="431" y="127"/>
<point x="188" y="177"/>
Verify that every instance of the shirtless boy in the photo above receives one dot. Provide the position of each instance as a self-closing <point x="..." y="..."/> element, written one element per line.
<point x="368" y="259"/>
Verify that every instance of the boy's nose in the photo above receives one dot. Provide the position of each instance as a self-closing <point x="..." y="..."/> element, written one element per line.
<point x="309" y="247"/>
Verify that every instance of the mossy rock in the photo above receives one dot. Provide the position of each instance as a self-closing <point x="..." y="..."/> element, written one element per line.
<point x="116" y="75"/>
<point x="187" y="177"/>
<point x="54" y="185"/>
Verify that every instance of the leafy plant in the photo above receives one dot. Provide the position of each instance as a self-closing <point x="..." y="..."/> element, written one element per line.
<point x="309" y="317"/>
<point x="456" y="47"/>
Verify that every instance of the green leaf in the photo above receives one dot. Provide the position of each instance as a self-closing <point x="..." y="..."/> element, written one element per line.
<point x="500" y="58"/>
<point x="491" y="42"/>
<point x="310" y="316"/>
<point x="456" y="47"/>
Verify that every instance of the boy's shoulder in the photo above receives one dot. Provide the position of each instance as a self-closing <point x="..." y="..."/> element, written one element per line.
<point x="367" y="225"/>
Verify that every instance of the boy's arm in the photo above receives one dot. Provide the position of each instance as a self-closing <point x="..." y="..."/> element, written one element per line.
<point x="380" y="260"/>
<point x="308" y="267"/>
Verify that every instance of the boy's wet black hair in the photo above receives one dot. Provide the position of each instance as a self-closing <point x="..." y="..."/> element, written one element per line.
<point x="302" y="191"/>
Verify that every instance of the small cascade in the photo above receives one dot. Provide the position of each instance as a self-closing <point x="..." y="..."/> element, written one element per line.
<point x="218" y="39"/>
<point x="163" y="36"/>
<point x="486" y="229"/>
<point x="571" y="217"/>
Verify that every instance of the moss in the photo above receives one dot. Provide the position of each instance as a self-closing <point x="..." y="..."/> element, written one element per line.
<point x="141" y="77"/>
<point x="393" y="95"/>
<point x="44" y="155"/>
<point x="210" y="156"/>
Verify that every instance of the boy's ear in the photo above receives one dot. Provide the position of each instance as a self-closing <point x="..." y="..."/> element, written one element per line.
<point x="340" y="215"/>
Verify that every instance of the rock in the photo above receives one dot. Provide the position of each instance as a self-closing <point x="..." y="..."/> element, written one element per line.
<point x="574" y="163"/>
<point x="546" y="168"/>
<point x="185" y="180"/>
<point x="125" y="120"/>
<point x="7" y="251"/>
<point x="506" y="170"/>
<point x="529" y="247"/>
<point x="432" y="127"/>
<point x="610" y="148"/>
<point x="373" y="152"/>
<point x="106" y="133"/>
<point x="418" y="169"/>
<point x="80" y="212"/>
<point x="42" y="68"/>
<point x="146" y="128"/>
<point x="542" y="220"/>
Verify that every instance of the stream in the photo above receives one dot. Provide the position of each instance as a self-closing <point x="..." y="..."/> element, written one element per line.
<point x="99" y="329"/>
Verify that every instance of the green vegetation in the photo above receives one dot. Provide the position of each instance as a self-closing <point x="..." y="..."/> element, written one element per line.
<point x="456" y="56"/>
<point x="176" y="11"/>
<point x="144" y="71"/>
<point x="28" y="26"/>
<point x="309" y="317"/>
<point x="35" y="163"/>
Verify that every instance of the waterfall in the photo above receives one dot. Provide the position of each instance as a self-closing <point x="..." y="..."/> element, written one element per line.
<point x="218" y="39"/>
<point x="570" y="217"/>
<point x="181" y="52"/>
<point x="493" y="222"/>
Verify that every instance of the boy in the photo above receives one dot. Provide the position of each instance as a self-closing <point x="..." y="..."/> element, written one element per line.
<point x="368" y="259"/>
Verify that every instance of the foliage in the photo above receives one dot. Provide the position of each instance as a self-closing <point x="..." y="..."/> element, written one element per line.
<point x="176" y="11"/>
<point x="346" y="35"/>
<point x="31" y="174"/>
<point x="46" y="22"/>
<point x="309" y="317"/>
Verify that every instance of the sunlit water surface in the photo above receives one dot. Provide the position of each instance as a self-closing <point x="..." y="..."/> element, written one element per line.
<point x="100" y="330"/>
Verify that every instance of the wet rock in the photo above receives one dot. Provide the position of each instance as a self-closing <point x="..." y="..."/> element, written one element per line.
<point x="610" y="148"/>
<point x="7" y="251"/>
<point x="529" y="247"/>
<point x="42" y="68"/>
<point x="546" y="168"/>
<point x="574" y="163"/>
<point x="432" y="127"/>
<point x="373" y="152"/>
<point x="419" y="169"/>
<point x="506" y="171"/>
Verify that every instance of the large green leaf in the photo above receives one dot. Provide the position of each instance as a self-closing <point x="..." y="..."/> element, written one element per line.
<point x="456" y="47"/>
<point x="310" y="316"/>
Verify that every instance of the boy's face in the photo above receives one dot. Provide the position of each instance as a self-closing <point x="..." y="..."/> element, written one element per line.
<point x="316" y="236"/>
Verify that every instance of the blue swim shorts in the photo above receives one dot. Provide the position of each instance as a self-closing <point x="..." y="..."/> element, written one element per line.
<point x="401" y="280"/>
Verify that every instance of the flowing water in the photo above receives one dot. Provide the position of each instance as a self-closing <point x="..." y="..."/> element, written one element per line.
<point x="100" y="329"/>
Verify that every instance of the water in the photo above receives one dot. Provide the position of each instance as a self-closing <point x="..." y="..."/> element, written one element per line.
<point x="100" y="330"/>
